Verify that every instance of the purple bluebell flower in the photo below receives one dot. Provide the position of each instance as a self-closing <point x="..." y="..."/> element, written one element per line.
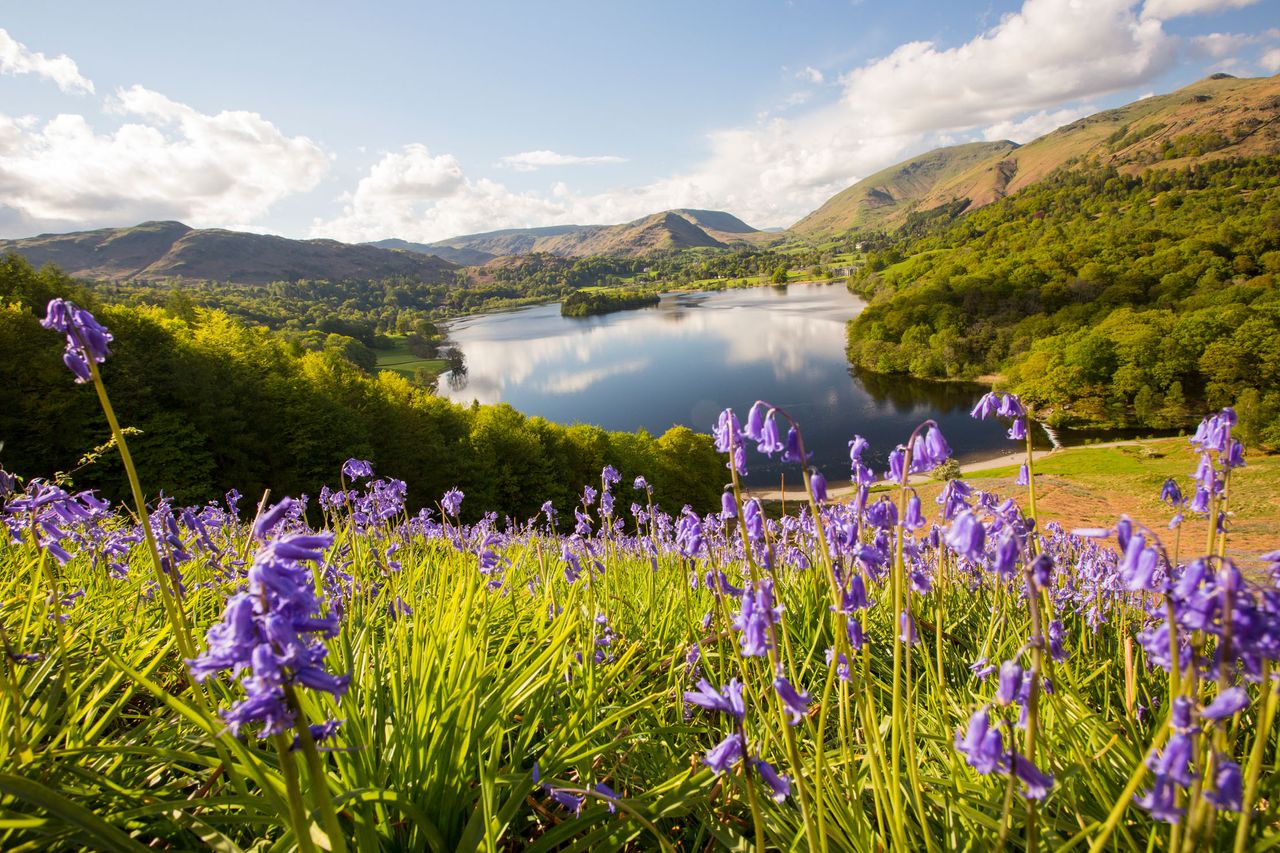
<point x="1010" y="684"/>
<point x="966" y="535"/>
<point x="981" y="743"/>
<point x="355" y="469"/>
<point x="727" y="431"/>
<point x="779" y="786"/>
<point x="1010" y="406"/>
<point x="929" y="451"/>
<point x="262" y="631"/>
<point x="689" y="534"/>
<point x="1138" y="568"/>
<point x="757" y="615"/>
<point x="914" y="518"/>
<point x="907" y="629"/>
<point x="754" y="519"/>
<point x="795" y="703"/>
<point x="770" y="439"/>
<point x="725" y="754"/>
<point x="1227" y="791"/>
<point x="1036" y="785"/>
<point x="728" y="506"/>
<point x="882" y="514"/>
<point x="1160" y="801"/>
<point x="1006" y="556"/>
<point x="706" y="696"/>
<point x="1018" y="429"/>
<point x="986" y="406"/>
<point x="754" y="429"/>
<point x="1175" y="760"/>
<point x="791" y="453"/>
<point x="1170" y="493"/>
<point x="1024" y="476"/>
<point x="818" y="483"/>
<point x="954" y="498"/>
<point x="981" y="668"/>
<point x="87" y="339"/>
<point x="856" y="448"/>
<point x="1042" y="571"/>
<point x="897" y="459"/>
<point x="1228" y="703"/>
<point x="1056" y="636"/>
<point x="451" y="502"/>
<point x="854" y="630"/>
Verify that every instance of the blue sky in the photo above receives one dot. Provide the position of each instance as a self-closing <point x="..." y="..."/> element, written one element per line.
<point x="423" y="120"/>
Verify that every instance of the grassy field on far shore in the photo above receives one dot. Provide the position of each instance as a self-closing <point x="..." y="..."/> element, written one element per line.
<point x="400" y="360"/>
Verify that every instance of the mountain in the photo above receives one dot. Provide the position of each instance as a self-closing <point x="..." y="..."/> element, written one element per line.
<point x="165" y="250"/>
<point x="1220" y="116"/>
<point x="669" y="230"/>
<point x="659" y="232"/>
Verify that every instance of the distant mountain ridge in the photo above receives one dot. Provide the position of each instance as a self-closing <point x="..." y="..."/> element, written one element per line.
<point x="670" y="230"/>
<point x="155" y="251"/>
<point x="1220" y="116"/>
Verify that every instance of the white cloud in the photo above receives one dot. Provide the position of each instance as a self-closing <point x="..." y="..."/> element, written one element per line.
<point x="16" y="58"/>
<point x="528" y="161"/>
<point x="166" y="160"/>
<point x="1223" y="45"/>
<point x="1035" y="125"/>
<point x="1271" y="60"/>
<point x="811" y="74"/>
<point x="1165" y="9"/>
<point x="416" y="195"/>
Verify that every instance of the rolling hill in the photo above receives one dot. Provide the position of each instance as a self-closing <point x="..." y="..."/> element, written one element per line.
<point x="155" y="251"/>
<point x="1220" y="116"/>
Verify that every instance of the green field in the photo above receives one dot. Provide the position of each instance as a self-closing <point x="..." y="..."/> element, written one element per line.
<point x="399" y="360"/>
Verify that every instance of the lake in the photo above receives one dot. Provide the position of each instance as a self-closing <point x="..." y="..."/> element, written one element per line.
<point x="687" y="358"/>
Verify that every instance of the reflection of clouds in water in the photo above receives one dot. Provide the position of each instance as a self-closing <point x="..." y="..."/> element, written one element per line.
<point x="794" y="335"/>
<point x="565" y="382"/>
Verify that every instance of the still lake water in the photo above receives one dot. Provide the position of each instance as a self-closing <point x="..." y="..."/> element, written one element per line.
<point x="687" y="358"/>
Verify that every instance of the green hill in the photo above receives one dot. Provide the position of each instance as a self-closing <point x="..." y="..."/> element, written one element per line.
<point x="1215" y="118"/>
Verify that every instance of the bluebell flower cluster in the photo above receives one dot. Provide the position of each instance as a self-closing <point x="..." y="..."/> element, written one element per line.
<point x="272" y="633"/>
<point x="87" y="339"/>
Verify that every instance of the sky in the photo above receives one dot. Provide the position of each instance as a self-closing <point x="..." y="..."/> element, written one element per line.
<point x="423" y="120"/>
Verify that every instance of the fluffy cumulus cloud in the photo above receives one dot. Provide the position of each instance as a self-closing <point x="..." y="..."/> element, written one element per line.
<point x="1271" y="60"/>
<point x="528" y="161"/>
<point x="16" y="58"/>
<point x="417" y="195"/>
<point x="1033" y="71"/>
<point x="163" y="160"/>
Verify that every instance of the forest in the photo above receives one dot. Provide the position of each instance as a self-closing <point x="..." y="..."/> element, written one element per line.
<point x="221" y="404"/>
<point x="1104" y="299"/>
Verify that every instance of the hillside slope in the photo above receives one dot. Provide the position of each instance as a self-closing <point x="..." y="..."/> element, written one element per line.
<point x="1218" y="117"/>
<point x="155" y="251"/>
<point x="660" y="232"/>
<point x="885" y="198"/>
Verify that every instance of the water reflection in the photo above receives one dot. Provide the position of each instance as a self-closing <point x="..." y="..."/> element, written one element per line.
<point x="685" y="359"/>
